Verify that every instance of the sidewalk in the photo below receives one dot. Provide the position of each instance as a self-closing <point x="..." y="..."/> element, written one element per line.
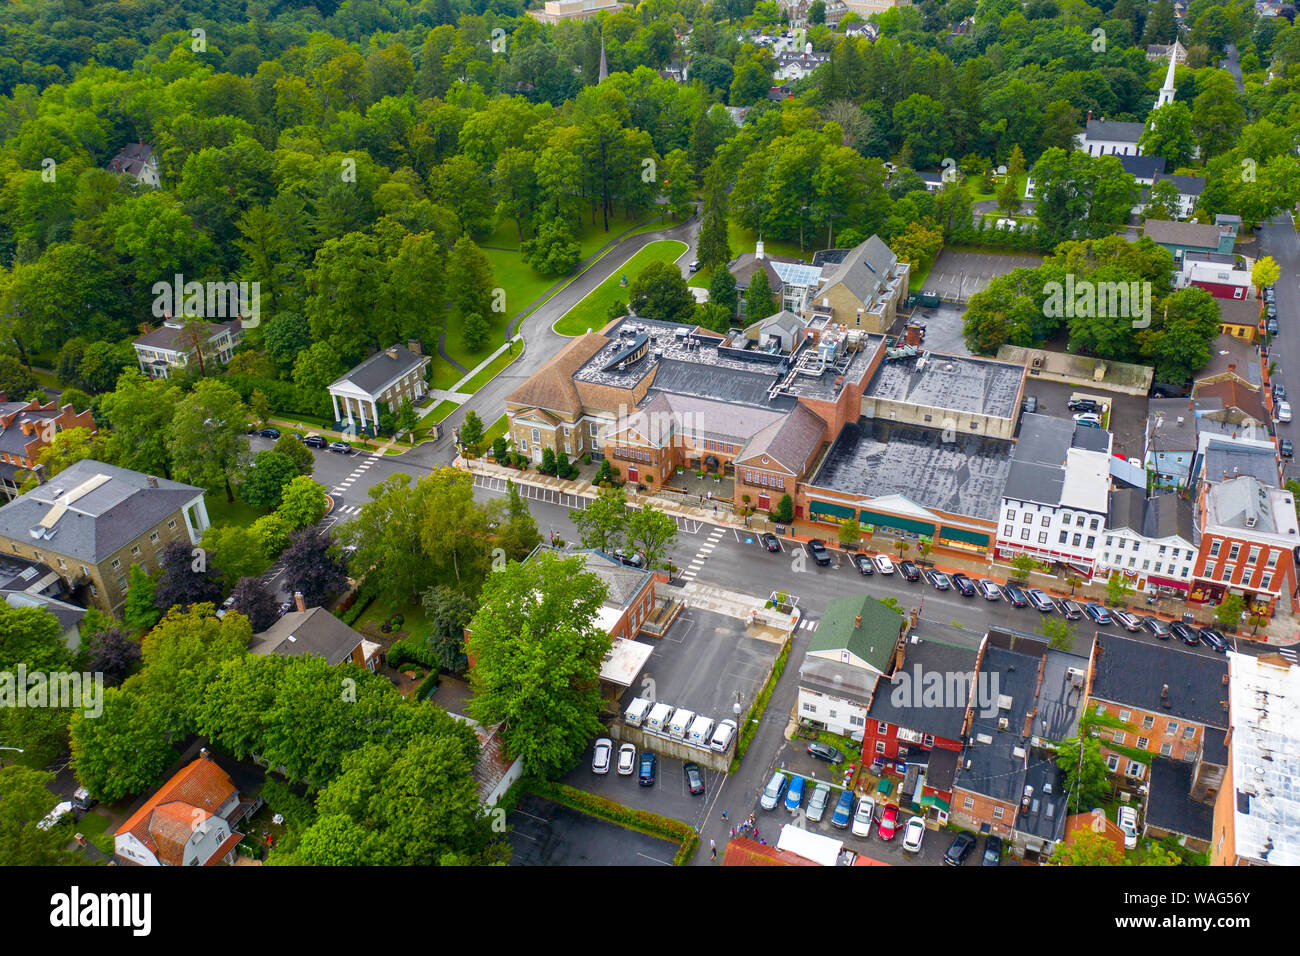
<point x="1283" y="630"/>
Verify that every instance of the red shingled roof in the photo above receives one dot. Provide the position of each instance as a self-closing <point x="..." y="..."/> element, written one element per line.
<point x="742" y="851"/>
<point x="167" y="819"/>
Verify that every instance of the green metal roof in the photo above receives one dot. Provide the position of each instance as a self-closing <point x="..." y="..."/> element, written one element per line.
<point x="873" y="642"/>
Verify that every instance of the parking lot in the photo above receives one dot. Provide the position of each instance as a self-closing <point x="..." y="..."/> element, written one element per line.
<point x="1128" y="413"/>
<point x="943" y="328"/>
<point x="546" y="834"/>
<point x="667" y="797"/>
<point x="956" y="276"/>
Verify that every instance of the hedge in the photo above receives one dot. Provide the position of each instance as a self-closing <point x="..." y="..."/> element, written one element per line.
<point x="414" y="650"/>
<point x="643" y="821"/>
<point x="428" y="685"/>
<point x="750" y="727"/>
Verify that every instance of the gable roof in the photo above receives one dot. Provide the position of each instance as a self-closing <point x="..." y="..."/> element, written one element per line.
<point x="790" y="441"/>
<point x="1187" y="234"/>
<point x="1113" y="131"/>
<point x="1234" y="394"/>
<point x="552" y="386"/>
<point x="313" y="631"/>
<point x="1142" y="167"/>
<point x="1186" y="185"/>
<point x="381" y="368"/>
<point x="165" y="821"/>
<point x="872" y="641"/>
<point x="923" y="660"/>
<point x="1160" y="680"/>
<point x="1169" y="802"/>
<point x="864" y="271"/>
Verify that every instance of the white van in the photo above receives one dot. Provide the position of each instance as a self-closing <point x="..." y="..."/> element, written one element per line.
<point x="723" y="736"/>
<point x="657" y="719"/>
<point x="680" y="722"/>
<point x="701" y="731"/>
<point x="637" y="711"/>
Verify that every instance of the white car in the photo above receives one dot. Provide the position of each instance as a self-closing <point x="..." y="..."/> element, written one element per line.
<point x="912" y="835"/>
<point x="626" y="759"/>
<point x="1088" y="418"/>
<point x="884" y="565"/>
<point x="55" y="815"/>
<point x="600" y="757"/>
<point x="1284" y="411"/>
<point x="821" y="795"/>
<point x="1128" y="822"/>
<point x="863" y="818"/>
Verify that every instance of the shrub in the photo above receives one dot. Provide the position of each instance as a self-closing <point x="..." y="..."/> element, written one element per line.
<point x="414" y="650"/>
<point x="428" y="685"/>
<point x="643" y="821"/>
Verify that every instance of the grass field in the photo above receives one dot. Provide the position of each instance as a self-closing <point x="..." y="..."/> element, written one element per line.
<point x="498" y="427"/>
<point x="494" y="369"/>
<point x="222" y="512"/>
<point x="593" y="311"/>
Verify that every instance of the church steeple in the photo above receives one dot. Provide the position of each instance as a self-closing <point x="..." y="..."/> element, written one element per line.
<point x="604" y="65"/>
<point x="1167" y="91"/>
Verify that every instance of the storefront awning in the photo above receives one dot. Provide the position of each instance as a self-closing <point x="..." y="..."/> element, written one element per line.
<point x="967" y="537"/>
<point x="934" y="800"/>
<point x="900" y="524"/>
<point x="1167" y="583"/>
<point x="832" y="511"/>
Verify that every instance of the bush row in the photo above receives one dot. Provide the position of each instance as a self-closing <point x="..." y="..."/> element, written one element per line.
<point x="750" y="727"/>
<point x="643" y="821"/>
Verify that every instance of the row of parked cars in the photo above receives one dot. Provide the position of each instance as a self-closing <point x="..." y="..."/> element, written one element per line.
<point x="311" y="441"/>
<point x="602" y="757"/>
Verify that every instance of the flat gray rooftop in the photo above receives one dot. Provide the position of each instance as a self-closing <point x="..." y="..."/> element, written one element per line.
<point x="964" y="476"/>
<point x="951" y="381"/>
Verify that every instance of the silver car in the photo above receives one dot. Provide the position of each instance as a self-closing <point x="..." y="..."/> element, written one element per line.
<point x="772" y="792"/>
<point x="817" y="802"/>
<point x="601" y="756"/>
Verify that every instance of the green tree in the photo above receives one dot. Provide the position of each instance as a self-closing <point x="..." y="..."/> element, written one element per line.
<point x="31" y="636"/>
<point x="302" y="502"/>
<point x="1117" y="589"/>
<point x="470" y="279"/>
<point x="850" y="532"/>
<point x="1085" y="773"/>
<point x="784" y="512"/>
<point x="537" y="650"/>
<point x="517" y="534"/>
<point x="297" y="452"/>
<point x="471" y="431"/>
<point x="1008" y="194"/>
<point x="66" y="448"/>
<point x="713" y="247"/>
<point x="660" y="292"/>
<point x="603" y="523"/>
<point x="1164" y="202"/>
<point x="140" y="611"/>
<point x="1021" y="565"/>
<point x="1169" y="133"/>
<point x="1217" y="114"/>
<point x="125" y="749"/>
<point x="722" y="290"/>
<point x="1229" y="611"/>
<point x="264" y="482"/>
<point x="25" y="799"/>
<point x="651" y="532"/>
<point x="16" y="381"/>
<point x="474" y="332"/>
<point x="235" y="551"/>
<point x="759" y="301"/>
<point x="1058" y="631"/>
<point x="207" y="439"/>
<point x="1087" y="848"/>
<point x="448" y="613"/>
<point x="554" y="252"/>
<point x="1265" y="272"/>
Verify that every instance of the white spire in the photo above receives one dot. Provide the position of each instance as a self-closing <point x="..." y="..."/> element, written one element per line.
<point x="1167" y="91"/>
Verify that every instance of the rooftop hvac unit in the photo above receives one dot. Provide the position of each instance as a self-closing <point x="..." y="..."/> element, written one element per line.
<point x="1037" y="362"/>
<point x="1004" y="701"/>
<point x="1075" y="675"/>
<point x="1004" y="724"/>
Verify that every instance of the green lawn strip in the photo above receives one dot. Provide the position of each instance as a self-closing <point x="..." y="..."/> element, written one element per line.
<point x="95" y="829"/>
<point x="592" y="312"/>
<point x="222" y="512"/>
<point x="382" y="608"/>
<point x="642" y="821"/>
<point x="440" y="411"/>
<point x="743" y="240"/>
<point x="498" y="427"/>
<point x="495" y="368"/>
<point x="445" y="375"/>
<point x="916" y="278"/>
<point x="45" y="379"/>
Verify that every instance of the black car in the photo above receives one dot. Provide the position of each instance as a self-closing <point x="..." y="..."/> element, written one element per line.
<point x="909" y="570"/>
<point x="1279" y="392"/>
<point x="964" y="584"/>
<point x="1015" y="596"/>
<point x="992" y="851"/>
<point x="864" y="564"/>
<point x="817" y="551"/>
<point x="315" y="441"/>
<point x="1285" y="448"/>
<point x="1082" y="405"/>
<point x="647" y="775"/>
<point x="1159" y="628"/>
<point x="770" y="542"/>
<point x="825" y="752"/>
<point x="694" y="779"/>
<point x="341" y="447"/>
<point x="1212" y="638"/>
<point x="1185" y="633"/>
<point x="1271" y="311"/>
<point x="271" y="433"/>
<point x="1271" y="326"/>
<point x="632" y="559"/>
<point x="961" y="846"/>
<point x="938" y="579"/>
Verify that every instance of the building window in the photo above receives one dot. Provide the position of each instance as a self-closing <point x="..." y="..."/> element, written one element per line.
<point x="1266" y="581"/>
<point x="882" y="727"/>
<point x="1119" y="736"/>
<point x="1024" y="535"/>
<point x="1112" y="762"/>
<point x="1124" y="716"/>
<point x="135" y="551"/>
<point x="1110" y="540"/>
<point x="1092" y="525"/>
<point x="1214" y="548"/>
<point x="1171" y="727"/>
<point x="1008" y="530"/>
<point x="857" y="721"/>
<point x="997" y="813"/>
<point x="1092" y="540"/>
<point x="1227" y="572"/>
<point x="1077" y="539"/>
<point x="1143" y="742"/>
<point x="1234" y="551"/>
<point x="154" y="537"/>
<point x="1148" y="722"/>
<point x="117" y="563"/>
<point x="1166" y="749"/>
<point x="880" y="746"/>
<point x="1065" y="536"/>
<point x="1047" y="521"/>
<point x="968" y="803"/>
<point x="1011" y="514"/>
<point x="810" y="707"/>
<point x="1189" y="732"/>
<point x="171" y="525"/>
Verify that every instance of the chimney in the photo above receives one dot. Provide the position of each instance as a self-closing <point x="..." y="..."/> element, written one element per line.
<point x="146" y="328"/>
<point x="299" y="600"/>
<point x="203" y="754"/>
<point x="857" y="622"/>
<point x="152" y="480"/>
<point x="1164" y="691"/>
<point x="1089" y="116"/>
<point x="913" y="335"/>
<point x="28" y="428"/>
<point x="413" y="345"/>
<point x="391" y="352"/>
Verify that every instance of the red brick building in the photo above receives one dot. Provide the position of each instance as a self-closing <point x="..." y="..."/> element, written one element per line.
<point x="26" y="428"/>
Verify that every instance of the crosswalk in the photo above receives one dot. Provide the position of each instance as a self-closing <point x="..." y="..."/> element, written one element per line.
<point x="706" y="548"/>
<point x="1288" y="653"/>
<point x="360" y="470"/>
<point x="807" y="624"/>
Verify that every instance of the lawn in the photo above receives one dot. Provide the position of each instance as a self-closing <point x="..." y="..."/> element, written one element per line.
<point x="743" y="240"/>
<point x="916" y="278"/>
<point x="221" y="512"/>
<point x="95" y="828"/>
<point x="493" y="369"/>
<point x="498" y="427"/>
<point x="440" y="411"/>
<point x="381" y="609"/>
<point x="593" y="311"/>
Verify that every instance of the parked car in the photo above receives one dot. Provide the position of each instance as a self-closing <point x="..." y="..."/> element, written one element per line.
<point x="601" y="755"/>
<point x="1285" y="449"/>
<point x="770" y="542"/>
<point x="315" y="441"/>
<point x="1071" y="610"/>
<point x="1127" y="818"/>
<point x="864" y="564"/>
<point x="884" y="565"/>
<point x="1185" y="633"/>
<point x="1279" y="392"/>
<point x="938" y="579"/>
<point x="1270" y="310"/>
<point x="821" y="795"/>
<point x="964" y="584"/>
<point x="794" y="795"/>
<point x="990" y="590"/>
<point x="1031" y="404"/>
<point x="1130" y="622"/>
<point x="1040" y="600"/>
<point x="284" y="608"/>
<point x="960" y="848"/>
<point x="1284" y="412"/>
<point x="646" y="777"/>
<point x="1212" y="638"/>
<point x="694" y="779"/>
<point x="843" y="810"/>
<point x="1088" y="420"/>
<point x="909" y="570"/>
<point x="271" y="433"/>
<point x="864" y="817"/>
<point x="1271" y="326"/>
<point x="817" y="551"/>
<point x="1083" y="405"/>
<point x="1098" y="612"/>
<point x="1159" y="628"/>
<point x="992" y="851"/>
<point x="61" y="809"/>
<point x="341" y="447"/>
<point x="888" y="821"/>
<point x="226" y="605"/>
<point x="1015" y="596"/>
<point x="626" y="759"/>
<point x="631" y="559"/>
<point x="913" y="834"/>
<point x="825" y="752"/>
<point x="772" y="792"/>
<point x="694" y="266"/>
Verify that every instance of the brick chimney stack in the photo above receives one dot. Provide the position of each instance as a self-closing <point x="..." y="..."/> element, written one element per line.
<point x="299" y="600"/>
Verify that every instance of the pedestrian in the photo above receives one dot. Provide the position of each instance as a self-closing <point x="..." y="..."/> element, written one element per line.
<point x="713" y="852"/>
<point x="724" y="814"/>
<point x="733" y="833"/>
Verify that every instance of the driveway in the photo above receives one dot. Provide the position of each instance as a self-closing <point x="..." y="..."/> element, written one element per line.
<point x="956" y="276"/>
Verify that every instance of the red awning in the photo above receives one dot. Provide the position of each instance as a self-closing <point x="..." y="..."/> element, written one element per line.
<point x="1168" y="583"/>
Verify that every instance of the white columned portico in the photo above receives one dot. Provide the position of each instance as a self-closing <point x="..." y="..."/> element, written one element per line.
<point x="335" y="400"/>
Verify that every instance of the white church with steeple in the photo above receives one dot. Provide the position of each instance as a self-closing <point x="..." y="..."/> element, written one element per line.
<point x="1167" y="91"/>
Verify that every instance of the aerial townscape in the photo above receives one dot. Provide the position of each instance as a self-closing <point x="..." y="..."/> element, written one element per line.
<point x="708" y="433"/>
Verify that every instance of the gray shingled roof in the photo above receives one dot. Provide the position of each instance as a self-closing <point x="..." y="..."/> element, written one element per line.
<point x="381" y="368"/>
<point x="1172" y="425"/>
<point x="1183" y="233"/>
<point x="1169" y="803"/>
<point x="99" y="523"/>
<point x="1186" y="185"/>
<point x="865" y="269"/>
<point x="925" y="660"/>
<point x="1127" y="509"/>
<point x="1134" y="673"/>
<point x="1143" y="167"/>
<point x="1113" y="131"/>
<point x="790" y="441"/>
<point x="1238" y="500"/>
<point x="313" y="631"/>
<point x="1168" y="515"/>
<point x="1038" y="462"/>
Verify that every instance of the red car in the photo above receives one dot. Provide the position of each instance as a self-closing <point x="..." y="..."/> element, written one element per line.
<point x="889" y="822"/>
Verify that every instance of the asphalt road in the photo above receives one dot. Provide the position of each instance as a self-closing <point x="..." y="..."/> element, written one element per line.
<point x="1278" y="239"/>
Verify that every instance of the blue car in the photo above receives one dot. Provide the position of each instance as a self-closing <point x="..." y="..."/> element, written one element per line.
<point x="843" y="810"/>
<point x="794" y="796"/>
<point x="1098" y="612"/>
<point x="647" y="775"/>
